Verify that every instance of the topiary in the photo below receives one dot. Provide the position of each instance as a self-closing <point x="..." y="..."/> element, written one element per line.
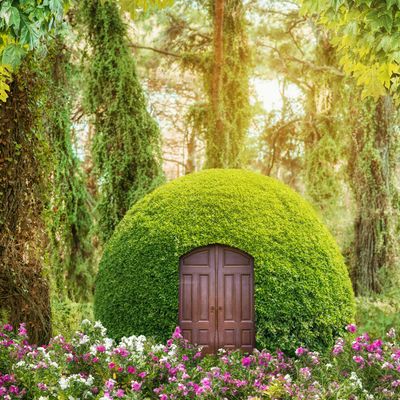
<point x="303" y="293"/>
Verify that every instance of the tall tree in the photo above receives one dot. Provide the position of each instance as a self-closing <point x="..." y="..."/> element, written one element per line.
<point x="372" y="165"/>
<point x="24" y="292"/>
<point x="367" y="43"/>
<point x="126" y="148"/>
<point x="228" y="86"/>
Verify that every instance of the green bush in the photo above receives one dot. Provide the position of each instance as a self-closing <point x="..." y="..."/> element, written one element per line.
<point x="303" y="293"/>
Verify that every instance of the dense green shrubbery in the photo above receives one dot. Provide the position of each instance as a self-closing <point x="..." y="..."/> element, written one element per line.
<point x="303" y="293"/>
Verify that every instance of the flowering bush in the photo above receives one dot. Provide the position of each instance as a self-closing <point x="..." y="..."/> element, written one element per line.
<point x="92" y="366"/>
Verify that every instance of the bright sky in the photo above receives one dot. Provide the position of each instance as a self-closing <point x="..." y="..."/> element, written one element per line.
<point x="267" y="91"/>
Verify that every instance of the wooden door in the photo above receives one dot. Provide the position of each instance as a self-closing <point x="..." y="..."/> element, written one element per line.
<point x="216" y="302"/>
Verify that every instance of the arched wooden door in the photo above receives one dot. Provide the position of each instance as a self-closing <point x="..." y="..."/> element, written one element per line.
<point x="216" y="301"/>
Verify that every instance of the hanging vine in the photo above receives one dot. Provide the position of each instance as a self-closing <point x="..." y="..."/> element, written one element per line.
<point x="69" y="219"/>
<point x="126" y="145"/>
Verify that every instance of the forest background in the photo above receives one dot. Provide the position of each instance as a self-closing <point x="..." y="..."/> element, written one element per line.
<point x="101" y="101"/>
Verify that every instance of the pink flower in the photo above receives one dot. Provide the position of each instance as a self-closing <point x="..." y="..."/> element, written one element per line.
<point x="163" y="397"/>
<point x="142" y="374"/>
<point x="177" y="333"/>
<point x="358" y="360"/>
<point x="120" y="393"/>
<point x="305" y="372"/>
<point x="391" y="334"/>
<point x="110" y="384"/>
<point x="111" y="365"/>
<point x="136" y="386"/>
<point x="300" y="351"/>
<point x="246" y="361"/>
<point x="351" y="328"/>
<point x="101" y="348"/>
<point x="130" y="369"/>
<point x="22" y="330"/>
<point x="8" y="327"/>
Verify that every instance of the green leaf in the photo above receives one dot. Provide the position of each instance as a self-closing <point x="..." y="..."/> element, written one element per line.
<point x="387" y="21"/>
<point x="30" y="33"/>
<point x="12" y="55"/>
<point x="56" y="6"/>
<point x="5" y="12"/>
<point x="15" y="18"/>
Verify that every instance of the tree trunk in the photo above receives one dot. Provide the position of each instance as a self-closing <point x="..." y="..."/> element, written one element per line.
<point x="24" y="292"/>
<point x="372" y="170"/>
<point x="216" y="143"/>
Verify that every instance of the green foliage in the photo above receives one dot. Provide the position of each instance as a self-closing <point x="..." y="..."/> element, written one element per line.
<point x="69" y="217"/>
<point x="303" y="292"/>
<point x="67" y="315"/>
<point x="145" y="5"/>
<point x="23" y="25"/>
<point x="378" y="313"/>
<point x="126" y="148"/>
<point x="366" y="33"/>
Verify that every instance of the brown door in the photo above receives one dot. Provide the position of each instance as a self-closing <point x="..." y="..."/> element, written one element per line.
<point x="216" y="304"/>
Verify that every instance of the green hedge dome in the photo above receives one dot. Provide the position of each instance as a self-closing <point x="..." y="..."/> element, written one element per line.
<point x="303" y="294"/>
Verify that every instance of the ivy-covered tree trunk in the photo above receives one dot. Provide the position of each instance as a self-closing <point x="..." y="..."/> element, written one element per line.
<point x="126" y="144"/>
<point x="372" y="169"/>
<point x="24" y="292"/>
<point x="229" y="89"/>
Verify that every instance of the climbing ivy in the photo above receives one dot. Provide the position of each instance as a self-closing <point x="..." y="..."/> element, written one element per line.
<point x="126" y="145"/>
<point x="24" y="291"/>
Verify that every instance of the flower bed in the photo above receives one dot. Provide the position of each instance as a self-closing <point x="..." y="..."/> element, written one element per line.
<point x="92" y="366"/>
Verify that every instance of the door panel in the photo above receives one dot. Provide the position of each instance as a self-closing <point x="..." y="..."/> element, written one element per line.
<point x="235" y="324"/>
<point x="197" y="298"/>
<point x="217" y="298"/>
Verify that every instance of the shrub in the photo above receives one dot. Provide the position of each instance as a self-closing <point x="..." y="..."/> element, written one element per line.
<point x="93" y="366"/>
<point x="303" y="293"/>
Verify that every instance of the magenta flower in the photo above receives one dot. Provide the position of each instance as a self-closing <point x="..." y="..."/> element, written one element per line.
<point x="136" y="385"/>
<point x="300" y="351"/>
<point x="101" y="348"/>
<point x="120" y="393"/>
<point x="22" y="330"/>
<point x="130" y="369"/>
<point x="177" y="333"/>
<point x="246" y="361"/>
<point x="351" y="328"/>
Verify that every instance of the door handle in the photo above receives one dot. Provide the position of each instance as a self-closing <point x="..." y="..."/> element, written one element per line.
<point x="212" y="308"/>
<point x="220" y="308"/>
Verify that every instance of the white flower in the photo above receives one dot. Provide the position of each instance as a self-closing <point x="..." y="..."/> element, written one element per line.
<point x="84" y="339"/>
<point x="287" y="378"/>
<point x="43" y="398"/>
<point x="328" y="366"/>
<point x="108" y="343"/>
<point x="86" y="322"/>
<point x="64" y="383"/>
